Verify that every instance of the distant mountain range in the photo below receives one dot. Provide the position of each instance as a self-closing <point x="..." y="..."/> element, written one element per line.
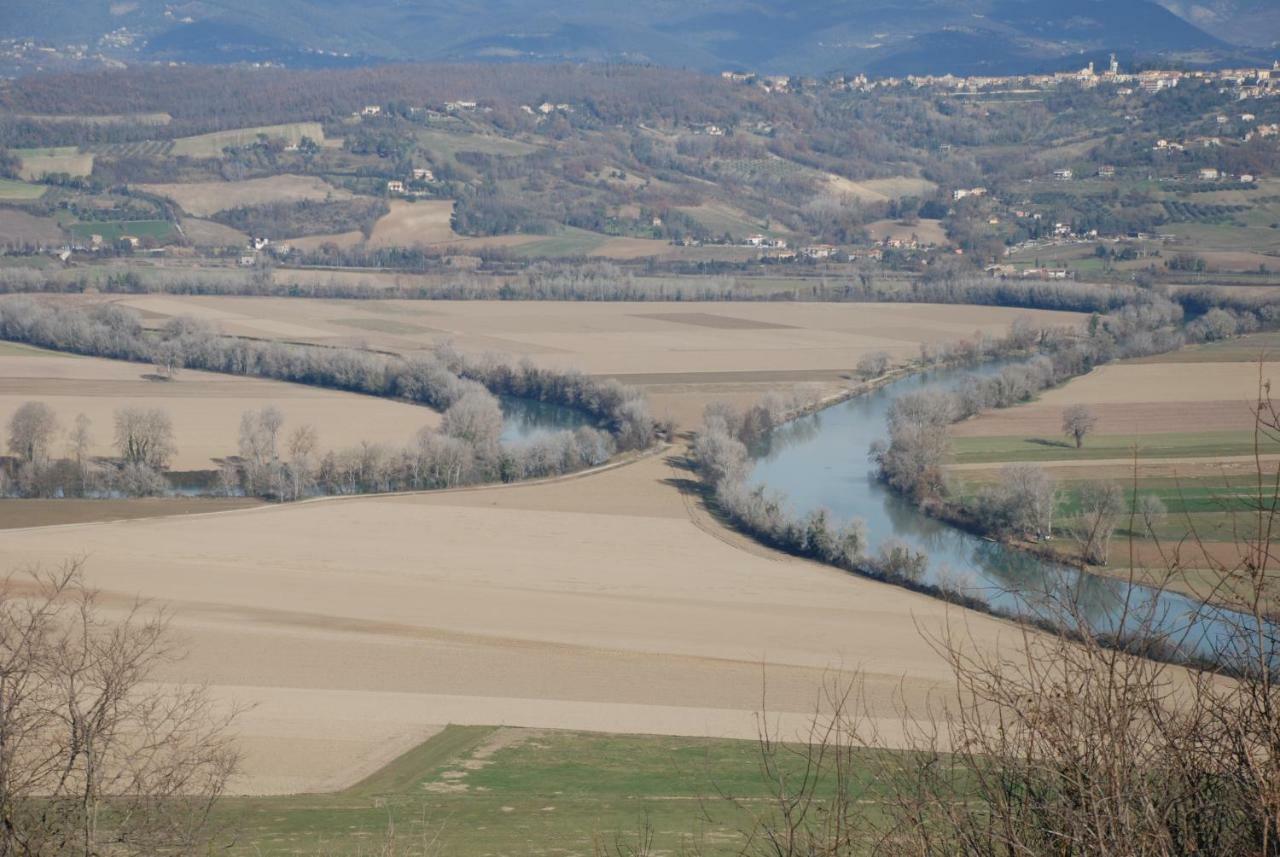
<point x="796" y="36"/>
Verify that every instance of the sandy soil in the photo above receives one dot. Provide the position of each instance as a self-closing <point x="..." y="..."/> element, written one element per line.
<point x="202" y="199"/>
<point x="681" y="354"/>
<point x="607" y="603"/>
<point x="205" y="407"/>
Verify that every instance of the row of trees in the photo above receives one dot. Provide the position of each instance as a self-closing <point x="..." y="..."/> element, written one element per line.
<point x="465" y="450"/>
<point x="438" y="380"/>
<point x="143" y="441"/>
<point x="918" y="442"/>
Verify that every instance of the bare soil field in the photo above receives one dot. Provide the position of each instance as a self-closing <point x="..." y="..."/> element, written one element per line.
<point x="412" y="223"/>
<point x="739" y="347"/>
<point x="18" y="514"/>
<point x="211" y="145"/>
<point x="205" y="407"/>
<point x="202" y="199"/>
<point x="926" y="231"/>
<point x="207" y="233"/>
<point x="62" y="159"/>
<point x="605" y="603"/>
<point x="17" y="228"/>
<point x="1045" y="420"/>
<point x="879" y="190"/>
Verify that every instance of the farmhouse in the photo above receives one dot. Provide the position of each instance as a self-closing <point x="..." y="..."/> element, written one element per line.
<point x="370" y="110"/>
<point x="818" y="251"/>
<point x="1064" y="175"/>
<point x="395" y="186"/>
<point x="1209" y="174"/>
<point x="1106" y="172"/>
<point x="422" y="174"/>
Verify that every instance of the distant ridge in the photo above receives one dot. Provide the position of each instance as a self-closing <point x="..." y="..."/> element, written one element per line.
<point x="771" y="36"/>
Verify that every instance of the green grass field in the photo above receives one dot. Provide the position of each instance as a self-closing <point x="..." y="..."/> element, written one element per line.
<point x="488" y="791"/>
<point x="571" y="242"/>
<point x="113" y="230"/>
<point x="445" y="145"/>
<point x="211" y="145"/>
<point x="16" y="191"/>
<point x="17" y="349"/>
<point x="1244" y="349"/>
<point x="1207" y="444"/>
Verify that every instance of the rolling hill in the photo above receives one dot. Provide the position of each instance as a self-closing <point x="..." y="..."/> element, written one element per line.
<point x="804" y="36"/>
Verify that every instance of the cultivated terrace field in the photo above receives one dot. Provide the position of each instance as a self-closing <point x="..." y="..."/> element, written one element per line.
<point x="205" y="407"/>
<point x="1179" y="427"/>
<point x="578" y="611"/>
<point x="646" y="167"/>
<point x="680" y="354"/>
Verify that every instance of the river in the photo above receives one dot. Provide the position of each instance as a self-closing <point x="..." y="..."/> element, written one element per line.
<point x="820" y="461"/>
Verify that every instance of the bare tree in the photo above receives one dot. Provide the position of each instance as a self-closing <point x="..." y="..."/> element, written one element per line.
<point x="1100" y="506"/>
<point x="1077" y="422"/>
<point x="301" y="447"/>
<point x="94" y="758"/>
<point x="918" y="443"/>
<point x="168" y="357"/>
<point x="1031" y="497"/>
<point x="79" y="443"/>
<point x="874" y="364"/>
<point x="144" y="436"/>
<point x="259" y="451"/>
<point x="475" y="418"/>
<point x="719" y="455"/>
<point x="32" y="429"/>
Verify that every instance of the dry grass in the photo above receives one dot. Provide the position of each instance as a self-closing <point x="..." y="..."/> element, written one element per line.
<point x="412" y="223"/>
<point x="202" y="199"/>
<point x="19" y="228"/>
<point x="211" y="145"/>
<point x="926" y="231"/>
<point x="63" y="159"/>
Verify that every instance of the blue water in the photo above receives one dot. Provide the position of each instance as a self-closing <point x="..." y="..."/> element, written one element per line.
<point x="820" y="461"/>
<point x="526" y="420"/>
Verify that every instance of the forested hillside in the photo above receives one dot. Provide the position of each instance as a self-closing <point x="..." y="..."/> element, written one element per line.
<point x="811" y="36"/>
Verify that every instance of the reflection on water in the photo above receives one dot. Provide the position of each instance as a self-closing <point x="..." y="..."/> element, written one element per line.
<point x="525" y="420"/>
<point x="820" y="461"/>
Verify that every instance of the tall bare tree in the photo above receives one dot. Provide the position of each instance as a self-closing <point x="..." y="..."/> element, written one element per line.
<point x="94" y="758"/>
<point x="32" y="429"/>
<point x="144" y="436"/>
<point x="1101" y="505"/>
